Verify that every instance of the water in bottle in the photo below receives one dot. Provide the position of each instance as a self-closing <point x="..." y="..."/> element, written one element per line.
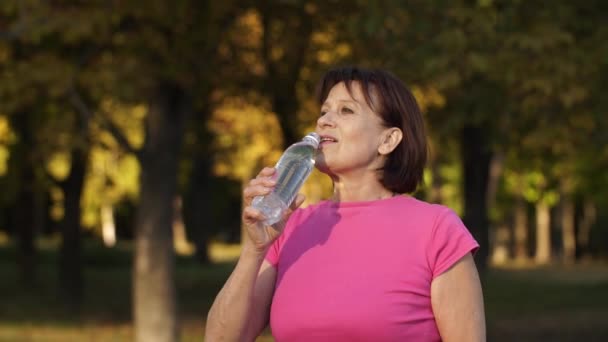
<point x="294" y="166"/>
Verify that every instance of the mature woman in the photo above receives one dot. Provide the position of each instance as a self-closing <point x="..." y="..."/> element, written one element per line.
<point x="369" y="264"/>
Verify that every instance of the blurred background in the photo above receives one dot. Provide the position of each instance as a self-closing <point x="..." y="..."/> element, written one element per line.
<point x="128" y="128"/>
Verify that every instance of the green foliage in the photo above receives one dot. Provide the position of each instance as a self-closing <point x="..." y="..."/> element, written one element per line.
<point x="530" y="74"/>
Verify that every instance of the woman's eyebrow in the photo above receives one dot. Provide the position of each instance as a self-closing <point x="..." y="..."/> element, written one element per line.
<point x="342" y="101"/>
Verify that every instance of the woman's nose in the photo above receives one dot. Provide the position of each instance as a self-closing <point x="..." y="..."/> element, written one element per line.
<point x="326" y="120"/>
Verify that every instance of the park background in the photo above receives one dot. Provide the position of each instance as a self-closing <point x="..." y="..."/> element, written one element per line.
<point x="128" y="128"/>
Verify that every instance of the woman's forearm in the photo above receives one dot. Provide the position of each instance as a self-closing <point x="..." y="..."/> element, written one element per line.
<point x="230" y="313"/>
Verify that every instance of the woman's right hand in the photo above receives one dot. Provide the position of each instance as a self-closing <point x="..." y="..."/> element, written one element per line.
<point x="260" y="236"/>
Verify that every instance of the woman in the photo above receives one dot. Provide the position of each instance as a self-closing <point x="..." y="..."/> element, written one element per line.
<point x="368" y="264"/>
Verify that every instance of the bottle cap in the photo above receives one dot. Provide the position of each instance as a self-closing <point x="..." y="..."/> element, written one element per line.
<point x="313" y="138"/>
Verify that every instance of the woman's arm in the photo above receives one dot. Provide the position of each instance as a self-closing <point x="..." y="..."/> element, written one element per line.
<point x="457" y="302"/>
<point x="240" y="311"/>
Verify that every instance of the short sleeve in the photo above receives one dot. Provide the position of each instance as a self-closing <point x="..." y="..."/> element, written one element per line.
<point x="274" y="252"/>
<point x="450" y="241"/>
<point x="272" y="256"/>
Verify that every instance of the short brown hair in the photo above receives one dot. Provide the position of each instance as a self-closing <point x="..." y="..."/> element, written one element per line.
<point x="404" y="167"/>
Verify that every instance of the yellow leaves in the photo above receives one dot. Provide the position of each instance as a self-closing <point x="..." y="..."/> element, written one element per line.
<point x="247" y="35"/>
<point x="112" y="175"/>
<point x="4" y="154"/>
<point x="58" y="165"/>
<point x="339" y="52"/>
<point x="6" y="137"/>
<point x="324" y="57"/>
<point x="329" y="49"/>
<point x="111" y="178"/>
<point x="342" y="50"/>
<point x="428" y="97"/>
<point x="251" y="22"/>
<point x="56" y="209"/>
<point x="129" y="118"/>
<point x="6" y="134"/>
<point x="247" y="138"/>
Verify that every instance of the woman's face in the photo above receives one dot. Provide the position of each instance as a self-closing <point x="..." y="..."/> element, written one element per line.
<point x="351" y="133"/>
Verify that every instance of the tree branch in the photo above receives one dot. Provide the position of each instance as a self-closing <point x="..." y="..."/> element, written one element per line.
<point x="78" y="102"/>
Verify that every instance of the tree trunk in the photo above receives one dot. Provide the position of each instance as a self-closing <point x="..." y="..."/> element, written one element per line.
<point x="180" y="240"/>
<point x="521" y="229"/>
<point x="108" y="225"/>
<point x="196" y="209"/>
<point x="568" y="233"/>
<point x="543" y="233"/>
<point x="500" y="251"/>
<point x="435" y="195"/>
<point x="26" y="232"/>
<point x="197" y="197"/>
<point x="285" y="104"/>
<point x="155" y="311"/>
<point x="587" y="220"/>
<point x="22" y="165"/>
<point x="497" y="164"/>
<point x="476" y="158"/>
<point x="501" y="235"/>
<point x="70" y="255"/>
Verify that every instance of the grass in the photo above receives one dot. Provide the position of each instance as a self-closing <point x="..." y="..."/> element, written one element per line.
<point x="532" y="304"/>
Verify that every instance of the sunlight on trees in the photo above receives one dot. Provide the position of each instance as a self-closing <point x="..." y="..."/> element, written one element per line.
<point x="113" y="174"/>
<point x="247" y="139"/>
<point x="6" y="138"/>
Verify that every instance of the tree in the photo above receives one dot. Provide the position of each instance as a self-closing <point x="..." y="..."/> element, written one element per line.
<point x="166" y="42"/>
<point x="34" y="82"/>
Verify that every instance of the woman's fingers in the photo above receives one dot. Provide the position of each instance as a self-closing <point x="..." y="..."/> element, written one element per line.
<point x="252" y="191"/>
<point x="265" y="181"/>
<point x="266" y="172"/>
<point x="252" y="215"/>
<point x="259" y="186"/>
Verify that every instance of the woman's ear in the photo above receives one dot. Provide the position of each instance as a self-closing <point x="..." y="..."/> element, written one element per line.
<point x="392" y="138"/>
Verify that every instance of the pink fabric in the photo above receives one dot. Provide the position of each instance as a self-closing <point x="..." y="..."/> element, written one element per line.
<point x="362" y="271"/>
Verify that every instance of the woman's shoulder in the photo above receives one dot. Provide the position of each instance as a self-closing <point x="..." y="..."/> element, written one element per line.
<point x="411" y="203"/>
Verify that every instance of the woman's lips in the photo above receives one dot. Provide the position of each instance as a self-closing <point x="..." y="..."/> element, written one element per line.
<point x="325" y="139"/>
<point x="326" y="143"/>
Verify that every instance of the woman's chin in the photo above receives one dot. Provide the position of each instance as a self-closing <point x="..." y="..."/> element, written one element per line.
<point x="322" y="167"/>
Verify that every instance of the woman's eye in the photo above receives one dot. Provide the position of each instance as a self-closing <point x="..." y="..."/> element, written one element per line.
<point x="323" y="113"/>
<point x="347" y="110"/>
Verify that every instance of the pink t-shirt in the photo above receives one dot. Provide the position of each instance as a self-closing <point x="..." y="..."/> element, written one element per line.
<point x="362" y="271"/>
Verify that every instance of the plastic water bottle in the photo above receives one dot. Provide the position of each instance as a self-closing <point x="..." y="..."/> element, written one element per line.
<point x="293" y="168"/>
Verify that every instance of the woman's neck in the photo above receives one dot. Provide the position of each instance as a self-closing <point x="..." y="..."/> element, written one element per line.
<point x="359" y="190"/>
